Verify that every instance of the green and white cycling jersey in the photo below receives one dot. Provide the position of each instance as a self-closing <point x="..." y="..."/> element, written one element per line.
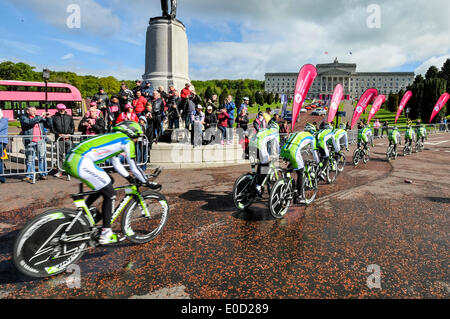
<point x="294" y="146"/>
<point x="82" y="160"/>
<point x="422" y="131"/>
<point x="410" y="134"/>
<point x="324" y="137"/>
<point x="340" y="138"/>
<point x="364" y="135"/>
<point x="265" y="142"/>
<point x="394" y="137"/>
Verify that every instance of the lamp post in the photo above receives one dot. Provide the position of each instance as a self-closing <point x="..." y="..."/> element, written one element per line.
<point x="46" y="76"/>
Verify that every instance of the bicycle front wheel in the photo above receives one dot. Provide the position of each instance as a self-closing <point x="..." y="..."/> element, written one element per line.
<point x="340" y="162"/>
<point x="39" y="250"/>
<point x="356" y="157"/>
<point x="309" y="187"/>
<point x="280" y="198"/>
<point x="139" y="226"/>
<point x="243" y="192"/>
<point x="332" y="170"/>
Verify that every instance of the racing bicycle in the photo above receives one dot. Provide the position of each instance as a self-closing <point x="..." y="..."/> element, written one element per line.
<point x="391" y="153"/>
<point x="419" y="145"/>
<point x="407" y="150"/>
<point x="284" y="190"/>
<point x="362" y="153"/>
<point x="55" y="239"/>
<point x="244" y="189"/>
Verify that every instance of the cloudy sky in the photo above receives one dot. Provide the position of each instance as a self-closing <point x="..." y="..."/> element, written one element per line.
<point x="230" y="39"/>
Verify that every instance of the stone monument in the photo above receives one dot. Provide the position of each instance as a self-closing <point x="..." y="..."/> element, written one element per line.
<point x="166" y="56"/>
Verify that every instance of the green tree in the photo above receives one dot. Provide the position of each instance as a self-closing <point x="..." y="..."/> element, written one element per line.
<point x="223" y="96"/>
<point x="433" y="89"/>
<point x="432" y="73"/>
<point x="259" y="98"/>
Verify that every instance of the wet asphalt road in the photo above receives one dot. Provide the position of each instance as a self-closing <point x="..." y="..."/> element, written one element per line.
<point x="210" y="250"/>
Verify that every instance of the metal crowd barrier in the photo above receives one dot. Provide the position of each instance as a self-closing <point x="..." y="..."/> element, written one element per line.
<point x="39" y="159"/>
<point x="25" y="157"/>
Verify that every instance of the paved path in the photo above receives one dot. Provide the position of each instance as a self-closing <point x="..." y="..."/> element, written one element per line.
<point x="210" y="250"/>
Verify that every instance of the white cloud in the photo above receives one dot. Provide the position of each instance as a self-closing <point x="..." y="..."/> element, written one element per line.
<point x="67" y="56"/>
<point x="436" y="61"/>
<point x="17" y="46"/>
<point x="94" y="17"/>
<point x="81" y="47"/>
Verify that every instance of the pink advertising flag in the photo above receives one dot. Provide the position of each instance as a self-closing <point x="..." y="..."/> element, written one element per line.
<point x="376" y="106"/>
<point x="335" y="101"/>
<point x="305" y="78"/>
<point x="405" y="100"/>
<point x="364" y="101"/>
<point x="439" y="105"/>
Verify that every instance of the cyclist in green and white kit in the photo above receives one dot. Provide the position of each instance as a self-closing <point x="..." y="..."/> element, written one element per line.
<point x="82" y="160"/>
<point x="292" y="151"/>
<point x="364" y="135"/>
<point x="261" y="145"/>
<point x="410" y="134"/>
<point x="394" y="138"/>
<point x="340" y="138"/>
<point x="323" y="137"/>
<point x="421" y="132"/>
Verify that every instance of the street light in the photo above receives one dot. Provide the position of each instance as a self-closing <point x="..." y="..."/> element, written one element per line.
<point x="46" y="76"/>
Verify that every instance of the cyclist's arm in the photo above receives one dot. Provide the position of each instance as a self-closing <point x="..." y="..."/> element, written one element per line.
<point x="130" y="151"/>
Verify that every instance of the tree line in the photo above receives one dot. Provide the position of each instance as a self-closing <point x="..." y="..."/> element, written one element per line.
<point x="425" y="93"/>
<point x="88" y="85"/>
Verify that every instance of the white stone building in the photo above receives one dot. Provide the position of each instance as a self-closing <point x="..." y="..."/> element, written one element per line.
<point x="329" y="75"/>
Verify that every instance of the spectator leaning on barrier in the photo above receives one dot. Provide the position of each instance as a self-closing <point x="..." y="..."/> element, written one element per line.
<point x="63" y="127"/>
<point x="34" y="126"/>
<point x="3" y="142"/>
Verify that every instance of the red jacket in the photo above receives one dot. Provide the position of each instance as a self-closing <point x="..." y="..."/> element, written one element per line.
<point x="139" y="104"/>
<point x="222" y="119"/>
<point x="124" y="117"/>
<point x="185" y="93"/>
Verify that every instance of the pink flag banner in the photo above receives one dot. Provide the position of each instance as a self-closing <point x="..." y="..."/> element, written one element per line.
<point x="335" y="101"/>
<point x="376" y="106"/>
<point x="363" y="102"/>
<point x="439" y="105"/>
<point x="305" y="78"/>
<point x="405" y="100"/>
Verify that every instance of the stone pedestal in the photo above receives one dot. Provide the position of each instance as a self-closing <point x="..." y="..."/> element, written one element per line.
<point x="166" y="57"/>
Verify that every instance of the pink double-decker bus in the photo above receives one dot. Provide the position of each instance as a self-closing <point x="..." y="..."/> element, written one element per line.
<point x="16" y="96"/>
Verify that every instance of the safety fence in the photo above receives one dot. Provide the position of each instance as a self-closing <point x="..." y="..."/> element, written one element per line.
<point x="34" y="157"/>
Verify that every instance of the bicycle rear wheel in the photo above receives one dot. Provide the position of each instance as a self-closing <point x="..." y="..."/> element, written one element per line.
<point x="389" y="153"/>
<point x="243" y="194"/>
<point x="280" y="198"/>
<point x="38" y="250"/>
<point x="141" y="228"/>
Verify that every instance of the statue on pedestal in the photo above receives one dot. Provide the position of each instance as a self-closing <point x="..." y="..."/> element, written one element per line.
<point x="165" y="9"/>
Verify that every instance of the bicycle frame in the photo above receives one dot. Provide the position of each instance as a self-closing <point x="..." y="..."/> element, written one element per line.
<point x="272" y="171"/>
<point x="130" y="191"/>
